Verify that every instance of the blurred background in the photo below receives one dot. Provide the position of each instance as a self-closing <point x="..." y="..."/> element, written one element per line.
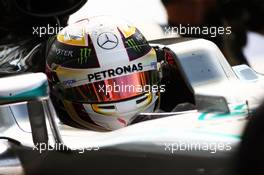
<point x="245" y="44"/>
<point x="146" y="15"/>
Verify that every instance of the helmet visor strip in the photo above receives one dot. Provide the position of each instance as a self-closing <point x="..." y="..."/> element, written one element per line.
<point x="115" y="89"/>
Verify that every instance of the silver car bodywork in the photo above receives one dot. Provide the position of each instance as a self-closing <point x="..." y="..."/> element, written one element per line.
<point x="224" y="97"/>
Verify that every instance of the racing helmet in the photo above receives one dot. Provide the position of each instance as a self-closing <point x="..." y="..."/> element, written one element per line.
<point x="102" y="73"/>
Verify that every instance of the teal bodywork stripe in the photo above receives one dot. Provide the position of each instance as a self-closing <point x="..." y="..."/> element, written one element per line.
<point x="238" y="110"/>
<point x="41" y="91"/>
<point x="239" y="107"/>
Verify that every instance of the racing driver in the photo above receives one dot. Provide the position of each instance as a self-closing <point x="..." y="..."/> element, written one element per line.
<point x="103" y="73"/>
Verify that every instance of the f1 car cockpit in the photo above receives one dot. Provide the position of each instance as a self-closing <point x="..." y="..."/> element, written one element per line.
<point x="209" y="84"/>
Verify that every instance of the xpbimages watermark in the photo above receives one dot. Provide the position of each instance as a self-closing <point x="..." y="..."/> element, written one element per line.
<point x="42" y="147"/>
<point x="46" y="30"/>
<point x="196" y="30"/>
<point x="123" y="88"/>
<point x="211" y="147"/>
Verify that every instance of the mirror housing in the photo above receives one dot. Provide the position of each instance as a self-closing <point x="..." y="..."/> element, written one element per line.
<point x="26" y="87"/>
<point x="32" y="88"/>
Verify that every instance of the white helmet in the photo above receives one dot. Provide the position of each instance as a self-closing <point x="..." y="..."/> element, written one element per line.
<point x="104" y="72"/>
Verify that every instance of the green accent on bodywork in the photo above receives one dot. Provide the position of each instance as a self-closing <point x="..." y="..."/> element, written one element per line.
<point x="237" y="110"/>
<point x="41" y="91"/>
<point x="239" y="107"/>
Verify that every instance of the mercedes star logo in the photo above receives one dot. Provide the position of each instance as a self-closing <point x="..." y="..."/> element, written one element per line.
<point x="107" y="40"/>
